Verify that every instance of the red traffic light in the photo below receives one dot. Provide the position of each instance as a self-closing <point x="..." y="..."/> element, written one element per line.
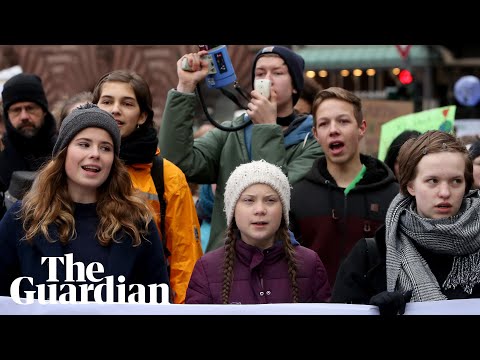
<point x="405" y="77"/>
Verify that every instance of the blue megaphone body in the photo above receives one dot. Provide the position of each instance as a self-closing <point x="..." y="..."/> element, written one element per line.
<point x="221" y="72"/>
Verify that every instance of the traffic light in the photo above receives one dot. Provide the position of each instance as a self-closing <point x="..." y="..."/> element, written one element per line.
<point x="405" y="77"/>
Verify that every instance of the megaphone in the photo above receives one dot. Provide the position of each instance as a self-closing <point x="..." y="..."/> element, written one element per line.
<point x="220" y="69"/>
<point x="220" y="74"/>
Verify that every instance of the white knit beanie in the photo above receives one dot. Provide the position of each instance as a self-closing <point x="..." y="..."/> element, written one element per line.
<point x="256" y="172"/>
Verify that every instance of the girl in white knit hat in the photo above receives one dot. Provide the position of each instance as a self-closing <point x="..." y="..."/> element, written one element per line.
<point x="260" y="262"/>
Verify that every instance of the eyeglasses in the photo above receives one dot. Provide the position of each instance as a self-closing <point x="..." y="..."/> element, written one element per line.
<point x="15" y="111"/>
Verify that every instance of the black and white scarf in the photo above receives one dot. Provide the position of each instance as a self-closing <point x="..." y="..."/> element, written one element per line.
<point x="458" y="236"/>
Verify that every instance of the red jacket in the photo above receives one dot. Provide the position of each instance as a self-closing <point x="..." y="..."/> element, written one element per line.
<point x="260" y="277"/>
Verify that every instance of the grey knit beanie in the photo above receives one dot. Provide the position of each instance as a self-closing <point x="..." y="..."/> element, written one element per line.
<point x="85" y="116"/>
<point x="256" y="172"/>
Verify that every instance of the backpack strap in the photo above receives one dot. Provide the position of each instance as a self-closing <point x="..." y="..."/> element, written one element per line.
<point x="158" y="179"/>
<point x="372" y="252"/>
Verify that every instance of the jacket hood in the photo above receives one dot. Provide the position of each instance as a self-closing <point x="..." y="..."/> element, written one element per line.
<point x="298" y="130"/>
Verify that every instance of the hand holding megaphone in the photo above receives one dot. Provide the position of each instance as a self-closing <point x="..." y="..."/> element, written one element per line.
<point x="213" y="64"/>
<point x="191" y="69"/>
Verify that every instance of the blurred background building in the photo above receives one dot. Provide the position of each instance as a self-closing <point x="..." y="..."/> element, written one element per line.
<point x="426" y="76"/>
<point x="424" y="79"/>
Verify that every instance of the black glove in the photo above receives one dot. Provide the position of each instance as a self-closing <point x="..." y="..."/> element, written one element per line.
<point x="391" y="302"/>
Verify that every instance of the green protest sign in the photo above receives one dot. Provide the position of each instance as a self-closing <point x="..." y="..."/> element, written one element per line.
<point x="434" y="119"/>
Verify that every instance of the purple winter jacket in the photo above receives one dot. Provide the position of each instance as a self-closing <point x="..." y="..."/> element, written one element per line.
<point x="260" y="277"/>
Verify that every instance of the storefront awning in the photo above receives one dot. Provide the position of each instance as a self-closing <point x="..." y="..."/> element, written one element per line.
<point x="364" y="56"/>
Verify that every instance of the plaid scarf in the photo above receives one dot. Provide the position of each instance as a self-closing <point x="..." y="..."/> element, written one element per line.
<point x="458" y="236"/>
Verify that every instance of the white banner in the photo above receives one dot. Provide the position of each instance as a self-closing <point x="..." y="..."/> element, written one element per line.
<point x="447" y="307"/>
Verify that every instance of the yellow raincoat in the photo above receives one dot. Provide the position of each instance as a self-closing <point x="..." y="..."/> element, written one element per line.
<point x="182" y="228"/>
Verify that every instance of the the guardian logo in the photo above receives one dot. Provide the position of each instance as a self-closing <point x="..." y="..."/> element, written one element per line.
<point x="75" y="291"/>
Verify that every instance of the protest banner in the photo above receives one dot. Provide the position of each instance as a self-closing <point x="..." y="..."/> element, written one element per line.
<point x="441" y="118"/>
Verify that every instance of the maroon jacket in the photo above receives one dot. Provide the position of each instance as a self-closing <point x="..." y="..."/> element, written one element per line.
<point x="260" y="277"/>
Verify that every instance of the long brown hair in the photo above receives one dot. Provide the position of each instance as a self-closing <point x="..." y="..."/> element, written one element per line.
<point x="120" y="208"/>
<point x="229" y="259"/>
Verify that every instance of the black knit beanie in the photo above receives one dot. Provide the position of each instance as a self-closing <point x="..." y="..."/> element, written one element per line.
<point x="294" y="62"/>
<point x="86" y="116"/>
<point x="474" y="150"/>
<point x="24" y="87"/>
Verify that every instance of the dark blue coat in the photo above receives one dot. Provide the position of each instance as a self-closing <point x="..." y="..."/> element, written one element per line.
<point x="143" y="264"/>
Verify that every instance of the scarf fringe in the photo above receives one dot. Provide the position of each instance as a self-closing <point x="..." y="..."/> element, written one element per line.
<point x="465" y="273"/>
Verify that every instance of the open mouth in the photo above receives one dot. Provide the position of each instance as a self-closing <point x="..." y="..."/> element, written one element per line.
<point x="336" y="146"/>
<point x="90" y="168"/>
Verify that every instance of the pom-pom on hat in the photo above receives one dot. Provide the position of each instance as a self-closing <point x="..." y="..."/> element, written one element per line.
<point x="256" y="172"/>
<point x="294" y="62"/>
<point x="86" y="116"/>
